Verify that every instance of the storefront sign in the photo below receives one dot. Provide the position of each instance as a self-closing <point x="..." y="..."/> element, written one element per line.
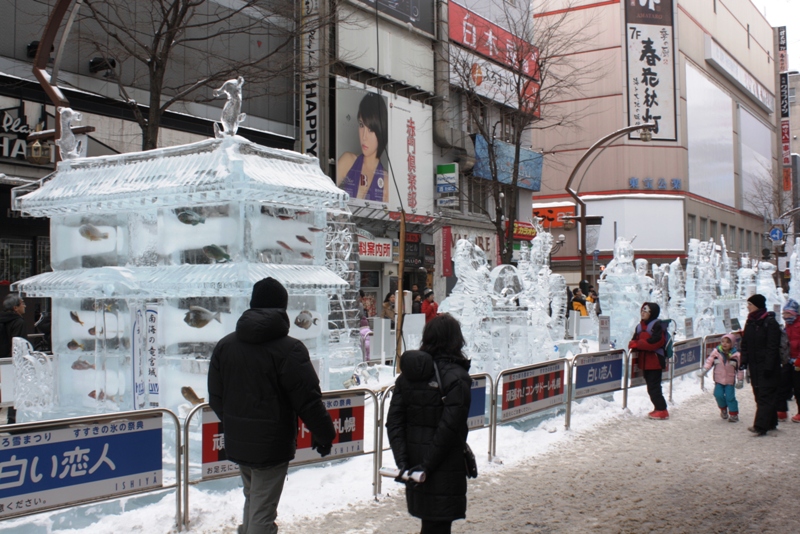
<point x="651" y="68"/>
<point x="736" y="73"/>
<point x="309" y="64"/>
<point x="522" y="231"/>
<point x="378" y="249"/>
<point x="447" y="245"/>
<point x="428" y="256"/>
<point x="14" y="131"/>
<point x="66" y="464"/>
<point x="482" y="77"/>
<point x="783" y="59"/>
<point x="553" y="215"/>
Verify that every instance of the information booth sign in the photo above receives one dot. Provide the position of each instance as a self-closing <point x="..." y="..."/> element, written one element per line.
<point x="70" y="463"/>
<point x="598" y="373"/>
<point x="688" y="356"/>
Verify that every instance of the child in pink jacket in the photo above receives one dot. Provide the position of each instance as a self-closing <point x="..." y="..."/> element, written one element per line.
<point x="727" y="376"/>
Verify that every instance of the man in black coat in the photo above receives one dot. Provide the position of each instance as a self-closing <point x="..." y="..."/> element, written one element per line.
<point x="259" y="381"/>
<point x="760" y="348"/>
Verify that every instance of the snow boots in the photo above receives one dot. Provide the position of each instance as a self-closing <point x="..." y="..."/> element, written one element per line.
<point x="723" y="412"/>
<point x="659" y="415"/>
<point x="734" y="417"/>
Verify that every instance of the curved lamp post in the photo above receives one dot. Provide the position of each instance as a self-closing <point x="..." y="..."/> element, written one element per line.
<point x="601" y="144"/>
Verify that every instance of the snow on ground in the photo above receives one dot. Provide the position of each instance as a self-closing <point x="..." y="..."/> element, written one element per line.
<point x="329" y="488"/>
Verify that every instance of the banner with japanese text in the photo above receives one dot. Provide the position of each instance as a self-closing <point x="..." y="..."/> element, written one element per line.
<point x="651" y="67"/>
<point x="64" y="464"/>
<point x="532" y="390"/>
<point x="598" y="374"/>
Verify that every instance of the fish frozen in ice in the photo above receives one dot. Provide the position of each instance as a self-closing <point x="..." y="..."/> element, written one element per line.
<point x="307" y="255"/>
<point x="303" y="239"/>
<point x="198" y="317"/>
<point x="304" y="319"/>
<point x="189" y="394"/>
<point x="284" y="245"/>
<point x="191" y="217"/>
<point x="92" y="233"/>
<point x="73" y="345"/>
<point x="74" y="316"/>
<point x="94" y="331"/>
<point x="82" y="365"/>
<point x="315" y="229"/>
<point x="214" y="252"/>
<point x="102" y="396"/>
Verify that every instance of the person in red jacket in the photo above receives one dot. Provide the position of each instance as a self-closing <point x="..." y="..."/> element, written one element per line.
<point x="429" y="307"/>
<point x="790" y="313"/>
<point x="648" y="343"/>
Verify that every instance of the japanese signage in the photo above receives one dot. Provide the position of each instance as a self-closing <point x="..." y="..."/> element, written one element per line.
<point x="138" y="360"/>
<point x="151" y="348"/>
<point x="596" y="374"/>
<point x="378" y="249"/>
<point x="480" y="76"/>
<point x="783" y="58"/>
<point x="14" y="131"/>
<point x="786" y="133"/>
<point x="477" y="407"/>
<point x="447" y="178"/>
<point x="447" y="244"/>
<point x="661" y="184"/>
<point x="532" y="390"/>
<point x="553" y="216"/>
<point x="687" y="357"/>
<point x="309" y="65"/>
<point x="651" y="67"/>
<point x="604" y="332"/>
<point x="490" y="40"/>
<point x="346" y="411"/>
<point x="65" y="464"/>
<point x="522" y="231"/>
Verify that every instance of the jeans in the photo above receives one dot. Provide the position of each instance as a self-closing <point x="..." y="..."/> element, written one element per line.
<point x="262" y="492"/>
<point x="726" y="397"/>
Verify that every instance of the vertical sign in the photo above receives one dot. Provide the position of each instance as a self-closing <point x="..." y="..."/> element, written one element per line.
<point x="476" y="418"/>
<point x="309" y="72"/>
<point x="138" y="341"/>
<point x="604" y="333"/>
<point x="651" y="68"/>
<point x="783" y="58"/>
<point x="151" y="348"/>
<point x="447" y="245"/>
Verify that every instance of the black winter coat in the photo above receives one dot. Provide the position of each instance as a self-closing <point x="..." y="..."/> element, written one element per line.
<point x="428" y="431"/>
<point x="259" y="381"/>
<point x="760" y="348"/>
<point x="11" y="325"/>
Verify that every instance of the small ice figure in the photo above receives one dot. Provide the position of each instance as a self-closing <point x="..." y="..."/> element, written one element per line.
<point x="68" y="144"/>
<point x="231" y="112"/>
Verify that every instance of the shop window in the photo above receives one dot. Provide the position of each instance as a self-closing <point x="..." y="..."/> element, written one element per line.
<point x="712" y="233"/>
<point x="691" y="226"/>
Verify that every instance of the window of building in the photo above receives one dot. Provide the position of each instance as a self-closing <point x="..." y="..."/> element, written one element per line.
<point x="691" y="226"/>
<point x="712" y="232"/>
<point x="16" y="259"/>
<point x="703" y="229"/>
<point x="477" y="117"/>
<point x="723" y="234"/>
<point x="732" y="238"/>
<point x="741" y="240"/>
<point x="750" y="242"/>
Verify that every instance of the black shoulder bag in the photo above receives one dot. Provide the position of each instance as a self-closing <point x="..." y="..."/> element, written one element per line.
<point x="469" y="457"/>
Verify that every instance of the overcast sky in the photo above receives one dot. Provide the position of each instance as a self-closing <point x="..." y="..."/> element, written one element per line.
<point x="785" y="13"/>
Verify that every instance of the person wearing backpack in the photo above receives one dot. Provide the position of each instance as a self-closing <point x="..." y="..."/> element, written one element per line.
<point x="792" y="368"/>
<point x="727" y="376"/>
<point x="648" y="342"/>
<point x="760" y="348"/>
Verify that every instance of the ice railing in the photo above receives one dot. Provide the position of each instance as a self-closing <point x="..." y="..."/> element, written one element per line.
<point x="198" y="280"/>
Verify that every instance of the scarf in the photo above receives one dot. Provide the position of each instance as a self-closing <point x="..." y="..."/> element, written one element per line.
<point x="757" y="315"/>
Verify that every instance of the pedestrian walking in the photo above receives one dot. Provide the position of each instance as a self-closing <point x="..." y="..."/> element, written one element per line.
<point x="760" y="347"/>
<point x="790" y="312"/>
<point x="427" y="424"/>
<point x="648" y="343"/>
<point x="728" y="377"/>
<point x="259" y="381"/>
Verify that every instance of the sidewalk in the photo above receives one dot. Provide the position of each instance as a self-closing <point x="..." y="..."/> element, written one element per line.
<point x="692" y="473"/>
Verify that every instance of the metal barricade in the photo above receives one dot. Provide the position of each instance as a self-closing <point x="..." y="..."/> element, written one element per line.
<point x="216" y="465"/>
<point x="475" y="418"/>
<point x="710" y="342"/>
<point x="85" y="460"/>
<point x="687" y="357"/>
<point x="597" y="372"/>
<point x="527" y="390"/>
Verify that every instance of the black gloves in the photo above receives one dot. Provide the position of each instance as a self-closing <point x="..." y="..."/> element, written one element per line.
<point x="402" y="471"/>
<point x="323" y="450"/>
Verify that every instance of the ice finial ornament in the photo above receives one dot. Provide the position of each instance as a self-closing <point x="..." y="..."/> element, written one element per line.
<point x="231" y="112"/>
<point x="68" y="144"/>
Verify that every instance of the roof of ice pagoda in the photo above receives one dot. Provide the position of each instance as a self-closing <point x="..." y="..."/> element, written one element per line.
<point x="207" y="172"/>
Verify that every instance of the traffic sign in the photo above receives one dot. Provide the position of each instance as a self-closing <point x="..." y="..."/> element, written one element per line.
<point x="776" y="234"/>
<point x="595" y="254"/>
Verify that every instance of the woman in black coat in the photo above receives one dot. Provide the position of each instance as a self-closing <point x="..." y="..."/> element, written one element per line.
<point x="427" y="424"/>
<point x="760" y="347"/>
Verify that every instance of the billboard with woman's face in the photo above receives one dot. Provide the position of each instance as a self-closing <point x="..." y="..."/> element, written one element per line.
<point x="384" y="148"/>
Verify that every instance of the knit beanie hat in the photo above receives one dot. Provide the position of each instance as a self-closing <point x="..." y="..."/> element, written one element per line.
<point x="759" y="301"/>
<point x="731" y="338"/>
<point x="269" y="293"/>
<point x="790" y="311"/>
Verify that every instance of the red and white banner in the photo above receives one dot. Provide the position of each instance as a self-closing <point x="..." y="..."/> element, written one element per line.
<point x="532" y="390"/>
<point x="786" y="143"/>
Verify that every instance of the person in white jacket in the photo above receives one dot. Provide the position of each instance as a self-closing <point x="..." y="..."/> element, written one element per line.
<point x="728" y="377"/>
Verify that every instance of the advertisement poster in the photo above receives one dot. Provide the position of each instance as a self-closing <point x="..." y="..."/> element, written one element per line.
<point x="532" y="390"/>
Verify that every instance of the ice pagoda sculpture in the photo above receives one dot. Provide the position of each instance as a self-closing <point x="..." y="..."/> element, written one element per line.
<point x="154" y="256"/>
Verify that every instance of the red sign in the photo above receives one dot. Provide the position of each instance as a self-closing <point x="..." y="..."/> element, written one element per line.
<point x="786" y="143"/>
<point x="411" y="159"/>
<point x="413" y="238"/>
<point x="447" y="243"/>
<point x="490" y="40"/>
<point x="347" y="413"/>
<point x="522" y="231"/>
<point x="787" y="178"/>
<point x="379" y="249"/>
<point x="553" y="217"/>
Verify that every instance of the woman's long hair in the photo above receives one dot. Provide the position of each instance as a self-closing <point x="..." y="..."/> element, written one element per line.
<point x="388" y="296"/>
<point x="373" y="113"/>
<point x="442" y="336"/>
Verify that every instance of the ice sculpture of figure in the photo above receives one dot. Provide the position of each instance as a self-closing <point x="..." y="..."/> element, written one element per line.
<point x="692" y="261"/>
<point x="646" y="284"/>
<point x="677" y="295"/>
<point x="157" y="252"/>
<point x="745" y="284"/>
<point x="470" y="301"/>
<point x="68" y="144"/>
<point x="506" y="285"/>
<point x="727" y="285"/>
<point x="619" y="289"/>
<point x="231" y="112"/>
<point x="705" y="282"/>
<point x="558" y="305"/>
<point x="704" y="324"/>
<point x="794" y="269"/>
<point x="659" y="295"/>
<point x="765" y="285"/>
<point x="537" y="296"/>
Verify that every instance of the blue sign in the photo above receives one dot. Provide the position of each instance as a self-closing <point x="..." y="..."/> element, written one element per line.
<point x="530" y="164"/>
<point x="446" y="188"/>
<point x="776" y="234"/>
<point x="687" y="357"/>
<point x="596" y="374"/>
<point x="52" y="467"/>
<point x="476" y="418"/>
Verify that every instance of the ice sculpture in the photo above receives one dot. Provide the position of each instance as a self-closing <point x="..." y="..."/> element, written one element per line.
<point x="646" y="284"/>
<point x="677" y="296"/>
<point x="794" y="269"/>
<point x="765" y="285"/>
<point x="231" y="112"/>
<point x="745" y="284"/>
<point x="34" y="378"/>
<point x="660" y="291"/>
<point x="68" y="145"/>
<point x="155" y="255"/>
<point x="620" y="290"/>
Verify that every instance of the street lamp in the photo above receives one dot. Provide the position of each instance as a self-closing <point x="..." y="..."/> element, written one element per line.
<point x="645" y="136"/>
